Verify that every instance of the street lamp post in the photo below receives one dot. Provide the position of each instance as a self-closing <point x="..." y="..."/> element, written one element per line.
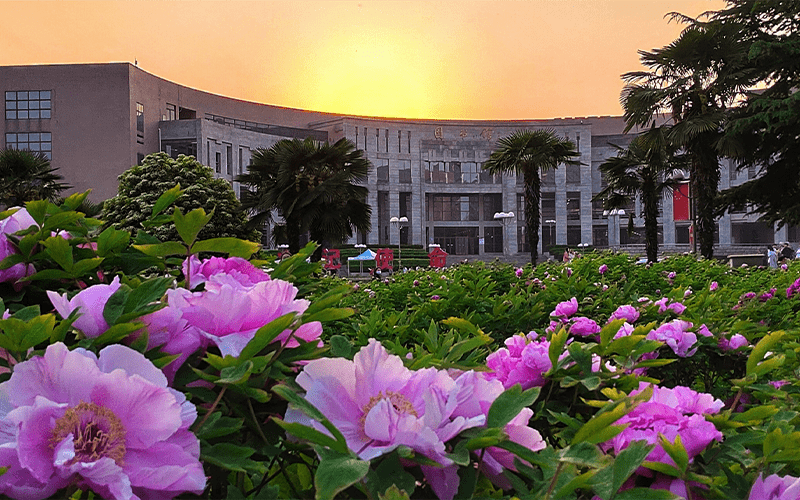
<point x="397" y="222"/>
<point x="505" y="217"/>
<point x="614" y="217"/>
<point x="551" y="223"/>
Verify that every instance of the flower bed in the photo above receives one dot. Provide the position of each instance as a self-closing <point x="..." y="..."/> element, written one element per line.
<point x="137" y="368"/>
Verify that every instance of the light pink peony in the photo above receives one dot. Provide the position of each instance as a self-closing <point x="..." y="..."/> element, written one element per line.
<point x="626" y="312"/>
<point x="602" y="269"/>
<point x="17" y="221"/>
<point x="565" y="309"/>
<point x="241" y="270"/>
<point x="713" y="286"/>
<point x="90" y="303"/>
<point x="378" y="404"/>
<point x="775" y="487"/>
<point x="664" y="305"/>
<point x="52" y="404"/>
<point x="735" y="342"/>
<point x="676" y="335"/>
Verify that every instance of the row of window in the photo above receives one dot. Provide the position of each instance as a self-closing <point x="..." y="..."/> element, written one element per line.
<point x="402" y="144"/>
<point x="458" y="172"/>
<point x="28" y="104"/>
<point x="40" y="142"/>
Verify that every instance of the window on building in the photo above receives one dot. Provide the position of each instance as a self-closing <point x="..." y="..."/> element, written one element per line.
<point x="492" y="203"/>
<point x="140" y="123"/>
<point x="229" y="159"/>
<point x="383" y="171"/>
<point x="404" y="171"/>
<point x="377" y="139"/>
<point x="574" y="205"/>
<point x="457" y="240"/>
<point x="600" y="235"/>
<point x="28" y="104"/>
<point x="493" y="239"/>
<point x="383" y="217"/>
<point x="365" y="138"/>
<point x="399" y="141"/>
<point x="218" y="162"/>
<point x="172" y="112"/>
<point x="597" y="209"/>
<point x="548" y="177"/>
<point x="523" y="245"/>
<point x="386" y="146"/>
<point x="139" y="158"/>
<point x="573" y="235"/>
<point x="573" y="174"/>
<point x="38" y="142"/>
<point x="752" y="232"/>
<point x="405" y="211"/>
<point x="578" y="142"/>
<point x="451" y="172"/>
<point x="548" y="206"/>
<point x="409" y="142"/>
<point x="446" y="207"/>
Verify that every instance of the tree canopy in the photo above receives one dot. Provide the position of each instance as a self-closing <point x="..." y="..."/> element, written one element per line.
<point x="26" y="176"/>
<point x="528" y="153"/>
<point x="315" y="187"/>
<point x="141" y="185"/>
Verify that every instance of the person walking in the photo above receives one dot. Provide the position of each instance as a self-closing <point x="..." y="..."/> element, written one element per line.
<point x="787" y="253"/>
<point x="772" y="257"/>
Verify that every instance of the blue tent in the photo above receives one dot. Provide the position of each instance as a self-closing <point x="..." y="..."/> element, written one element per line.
<point x="367" y="255"/>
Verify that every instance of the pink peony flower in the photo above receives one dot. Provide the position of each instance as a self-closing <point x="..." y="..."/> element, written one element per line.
<point x="784" y="267"/>
<point x="518" y="272"/>
<point x="713" y="286"/>
<point x="626" y="312"/>
<point x="523" y="361"/>
<point x="775" y="487"/>
<point x="671" y="412"/>
<point x="90" y="302"/>
<point x="584" y="326"/>
<point x="602" y="269"/>
<point x="565" y="309"/>
<point x="378" y="404"/>
<point x="18" y="221"/>
<point x="778" y="383"/>
<point x="676" y="335"/>
<point x="240" y="269"/>
<point x="735" y="342"/>
<point x="625" y="330"/>
<point x="664" y="305"/>
<point x="704" y="331"/>
<point x="74" y="418"/>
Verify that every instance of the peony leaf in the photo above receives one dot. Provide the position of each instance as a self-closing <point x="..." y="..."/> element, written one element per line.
<point x="646" y="494"/>
<point x="307" y="433"/>
<point x="336" y="472"/>
<point x="166" y="199"/>
<point x="231" y="457"/>
<point x="760" y="350"/>
<point x="235" y="374"/>
<point x="60" y="251"/>
<point x="112" y="241"/>
<point x="234" y="247"/>
<point x="509" y="404"/>
<point x="266" y="334"/>
<point x="189" y="225"/>
<point x="162" y="249"/>
<point x="310" y="410"/>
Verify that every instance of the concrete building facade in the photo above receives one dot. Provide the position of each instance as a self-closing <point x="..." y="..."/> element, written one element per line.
<point x="96" y="120"/>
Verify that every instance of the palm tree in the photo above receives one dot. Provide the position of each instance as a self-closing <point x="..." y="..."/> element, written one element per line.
<point x="313" y="186"/>
<point x="646" y="169"/>
<point x="695" y="79"/>
<point x="27" y="175"/>
<point x="528" y="153"/>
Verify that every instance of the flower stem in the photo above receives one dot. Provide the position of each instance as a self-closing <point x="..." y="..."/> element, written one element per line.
<point x="211" y="410"/>
<point x="553" y="481"/>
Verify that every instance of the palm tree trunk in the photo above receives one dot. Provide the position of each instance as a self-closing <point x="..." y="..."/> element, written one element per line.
<point x="706" y="181"/>
<point x="293" y="236"/>
<point x="650" y="205"/>
<point x="532" y="216"/>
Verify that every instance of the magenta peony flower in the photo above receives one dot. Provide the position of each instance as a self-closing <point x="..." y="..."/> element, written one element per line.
<point x="664" y="305"/>
<point x="671" y="412"/>
<point x="565" y="309"/>
<point x="518" y="271"/>
<point x="91" y="302"/>
<point x="584" y="326"/>
<point x="704" y="331"/>
<point x="378" y="404"/>
<point x="17" y="221"/>
<point x="713" y="286"/>
<point x="735" y="342"/>
<point x="626" y="312"/>
<point x="110" y="424"/>
<point x="523" y="361"/>
<point x="784" y="267"/>
<point x="435" y="297"/>
<point x="775" y="487"/>
<point x="239" y="269"/>
<point x="625" y="330"/>
<point x="778" y="383"/>
<point x="602" y="269"/>
<point x="676" y="335"/>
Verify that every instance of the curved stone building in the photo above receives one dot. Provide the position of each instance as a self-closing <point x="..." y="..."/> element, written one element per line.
<point x="96" y="120"/>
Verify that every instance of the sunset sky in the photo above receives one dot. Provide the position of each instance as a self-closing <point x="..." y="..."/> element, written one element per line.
<point x="412" y="59"/>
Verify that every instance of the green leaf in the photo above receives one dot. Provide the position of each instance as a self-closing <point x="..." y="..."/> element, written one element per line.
<point x="509" y="404"/>
<point x="309" y="434"/>
<point x="303" y="405"/>
<point x="662" y="468"/>
<point x="757" y="414"/>
<point x="462" y="325"/>
<point x="112" y="241"/>
<point x="231" y="457"/>
<point x="575" y="483"/>
<point x="60" y="251"/>
<point x="556" y="348"/>
<point x="394" y="493"/>
<point x="189" y="225"/>
<point x="676" y="451"/>
<point x="115" y="305"/>
<point x="646" y="494"/>
<point x="596" y="430"/>
<point x="38" y="210"/>
<point x="218" y="426"/>
<point x="231" y="246"/>
<point x="330" y="314"/>
<point x="73" y="201"/>
<point x="582" y="454"/>
<point x="166" y="199"/>
<point x="235" y="374"/>
<point x="608" y="332"/>
<point x="22" y="335"/>
<point x="117" y="332"/>
<point x="162" y="249"/>
<point x="83" y="266"/>
<point x="61" y="220"/>
<point x="336" y="472"/>
<point x="340" y="347"/>
<point x="147" y="293"/>
<point x="627" y="461"/>
<point x="266" y="334"/>
<point x="761" y="348"/>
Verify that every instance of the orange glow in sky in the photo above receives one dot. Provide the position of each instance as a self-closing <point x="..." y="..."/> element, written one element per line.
<point x="412" y="59"/>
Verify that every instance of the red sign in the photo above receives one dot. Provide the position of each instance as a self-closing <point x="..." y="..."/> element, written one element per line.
<point x="384" y="259"/>
<point x="680" y="202"/>
<point x="332" y="258"/>
<point x="438" y="258"/>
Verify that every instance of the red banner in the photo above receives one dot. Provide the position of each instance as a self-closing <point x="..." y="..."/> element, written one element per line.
<point x="680" y="202"/>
